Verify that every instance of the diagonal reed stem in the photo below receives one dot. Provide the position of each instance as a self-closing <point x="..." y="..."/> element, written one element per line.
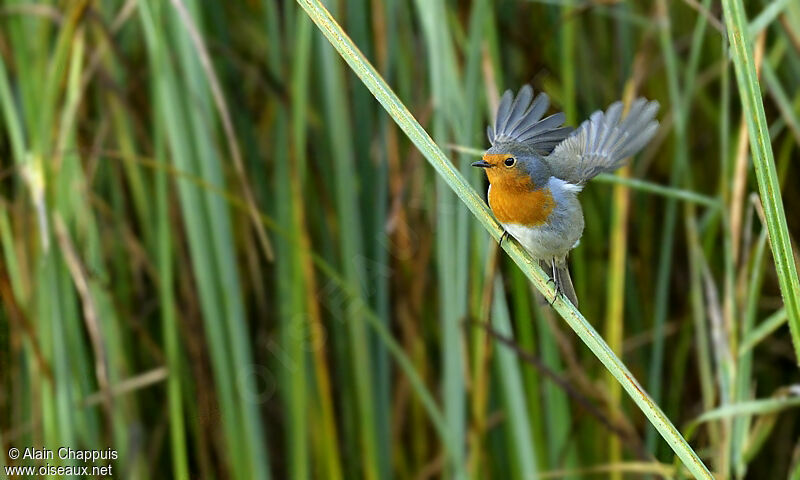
<point x="406" y="121"/>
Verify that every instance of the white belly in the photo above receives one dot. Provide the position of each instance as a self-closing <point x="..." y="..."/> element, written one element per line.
<point x="542" y="242"/>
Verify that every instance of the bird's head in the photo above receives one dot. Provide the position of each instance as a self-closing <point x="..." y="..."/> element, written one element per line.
<point x="514" y="167"/>
<point x="520" y="137"/>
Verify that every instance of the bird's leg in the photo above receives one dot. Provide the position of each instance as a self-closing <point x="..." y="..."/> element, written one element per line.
<point x="552" y="277"/>
<point x="502" y="237"/>
<point x="556" y="281"/>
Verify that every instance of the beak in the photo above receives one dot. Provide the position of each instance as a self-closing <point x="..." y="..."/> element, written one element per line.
<point x="482" y="164"/>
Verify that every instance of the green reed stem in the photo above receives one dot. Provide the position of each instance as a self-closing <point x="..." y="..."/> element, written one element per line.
<point x="406" y="121"/>
<point x="764" y="163"/>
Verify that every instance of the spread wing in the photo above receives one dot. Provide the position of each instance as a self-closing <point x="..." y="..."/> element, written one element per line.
<point x="520" y="120"/>
<point x="603" y="142"/>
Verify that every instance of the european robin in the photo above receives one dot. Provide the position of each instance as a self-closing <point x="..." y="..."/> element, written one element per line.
<point x="536" y="168"/>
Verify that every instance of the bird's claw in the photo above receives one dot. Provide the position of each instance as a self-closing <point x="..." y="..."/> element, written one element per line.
<point x="556" y="284"/>
<point x="558" y="291"/>
<point x="502" y="237"/>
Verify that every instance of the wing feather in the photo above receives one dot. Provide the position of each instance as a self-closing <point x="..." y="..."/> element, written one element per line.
<point x="604" y="141"/>
<point x="519" y="120"/>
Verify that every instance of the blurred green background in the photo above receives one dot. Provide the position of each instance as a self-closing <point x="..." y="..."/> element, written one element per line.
<point x="220" y="256"/>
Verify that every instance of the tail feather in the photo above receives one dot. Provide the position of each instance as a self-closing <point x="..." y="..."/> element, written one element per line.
<point x="562" y="272"/>
<point x="562" y="280"/>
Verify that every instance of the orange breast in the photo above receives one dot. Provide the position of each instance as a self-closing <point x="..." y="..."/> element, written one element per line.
<point x="516" y="202"/>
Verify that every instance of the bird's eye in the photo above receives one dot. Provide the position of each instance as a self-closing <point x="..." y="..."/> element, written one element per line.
<point x="510" y="161"/>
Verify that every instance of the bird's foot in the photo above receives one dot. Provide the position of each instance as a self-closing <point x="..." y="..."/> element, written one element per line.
<point x="556" y="283"/>
<point x="502" y="237"/>
<point x="558" y="292"/>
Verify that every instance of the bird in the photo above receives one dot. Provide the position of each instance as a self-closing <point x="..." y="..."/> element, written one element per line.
<point x="536" y="168"/>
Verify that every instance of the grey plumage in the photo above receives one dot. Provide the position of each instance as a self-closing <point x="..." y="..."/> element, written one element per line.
<point x="560" y="274"/>
<point x="565" y="282"/>
<point x="603" y="142"/>
<point x="561" y="162"/>
<point x="520" y="120"/>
